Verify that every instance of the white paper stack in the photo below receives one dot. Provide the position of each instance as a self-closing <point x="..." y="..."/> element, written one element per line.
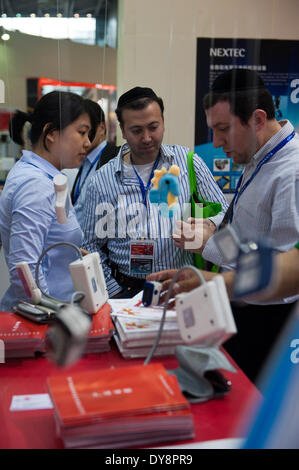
<point x="136" y="328"/>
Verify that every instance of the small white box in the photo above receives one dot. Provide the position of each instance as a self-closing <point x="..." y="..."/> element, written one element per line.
<point x="204" y="314"/>
<point x="87" y="275"/>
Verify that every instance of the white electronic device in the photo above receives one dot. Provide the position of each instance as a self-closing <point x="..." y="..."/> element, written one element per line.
<point x="66" y="340"/>
<point x="204" y="314"/>
<point x="30" y="287"/>
<point x="62" y="203"/>
<point x="228" y="243"/>
<point x="87" y="275"/>
<point x="151" y="293"/>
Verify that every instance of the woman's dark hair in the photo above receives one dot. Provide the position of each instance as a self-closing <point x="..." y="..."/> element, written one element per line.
<point x="57" y="110"/>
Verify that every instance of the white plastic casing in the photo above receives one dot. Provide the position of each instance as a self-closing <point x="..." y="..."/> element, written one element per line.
<point x="204" y="315"/>
<point x="28" y="282"/>
<point x="62" y="202"/>
<point x="88" y="277"/>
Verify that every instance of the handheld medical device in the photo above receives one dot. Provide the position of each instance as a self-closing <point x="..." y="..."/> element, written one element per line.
<point x="254" y="260"/>
<point x="204" y="314"/>
<point x="255" y="270"/>
<point x="62" y="203"/>
<point x="30" y="287"/>
<point x="228" y="243"/>
<point x="151" y="293"/>
<point x="66" y="340"/>
<point x="88" y="277"/>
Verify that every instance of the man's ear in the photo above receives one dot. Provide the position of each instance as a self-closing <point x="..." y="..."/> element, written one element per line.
<point x="259" y="119"/>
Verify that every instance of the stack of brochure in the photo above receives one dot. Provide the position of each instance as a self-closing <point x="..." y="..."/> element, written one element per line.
<point x="101" y="331"/>
<point x="24" y="338"/>
<point x="136" y="328"/>
<point x="117" y="408"/>
<point x="20" y="337"/>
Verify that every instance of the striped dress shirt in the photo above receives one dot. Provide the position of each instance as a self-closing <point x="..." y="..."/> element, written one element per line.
<point x="115" y="214"/>
<point x="268" y="209"/>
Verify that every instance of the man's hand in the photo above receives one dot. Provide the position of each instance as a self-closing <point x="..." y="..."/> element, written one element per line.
<point x="193" y="234"/>
<point x="84" y="252"/>
<point x="187" y="281"/>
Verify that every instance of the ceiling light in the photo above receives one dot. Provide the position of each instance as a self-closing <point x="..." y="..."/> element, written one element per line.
<point x="5" y="37"/>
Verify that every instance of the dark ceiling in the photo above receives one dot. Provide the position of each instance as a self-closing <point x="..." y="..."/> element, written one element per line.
<point x="67" y="8"/>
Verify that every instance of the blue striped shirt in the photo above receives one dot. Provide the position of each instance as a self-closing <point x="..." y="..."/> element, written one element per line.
<point x="115" y="215"/>
<point x="28" y="226"/>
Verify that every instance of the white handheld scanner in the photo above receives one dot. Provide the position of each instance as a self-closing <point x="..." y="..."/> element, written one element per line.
<point x="62" y="203"/>
<point x="31" y="289"/>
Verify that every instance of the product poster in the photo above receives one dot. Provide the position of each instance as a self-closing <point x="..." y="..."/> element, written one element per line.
<point x="276" y="61"/>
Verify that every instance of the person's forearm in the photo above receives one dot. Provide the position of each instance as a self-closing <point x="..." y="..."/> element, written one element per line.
<point x="286" y="275"/>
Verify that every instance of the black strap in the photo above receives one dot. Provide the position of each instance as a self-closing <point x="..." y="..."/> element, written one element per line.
<point x="124" y="280"/>
<point x="226" y="217"/>
<point x="75" y="183"/>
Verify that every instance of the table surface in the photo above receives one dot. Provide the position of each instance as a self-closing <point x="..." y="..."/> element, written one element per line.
<point x="213" y="420"/>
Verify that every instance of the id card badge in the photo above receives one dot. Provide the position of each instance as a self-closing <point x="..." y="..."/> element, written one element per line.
<point x="142" y="257"/>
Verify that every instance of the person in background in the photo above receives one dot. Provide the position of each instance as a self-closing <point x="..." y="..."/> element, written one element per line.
<point x="99" y="153"/>
<point x="61" y="127"/>
<point x="122" y="188"/>
<point x="240" y="111"/>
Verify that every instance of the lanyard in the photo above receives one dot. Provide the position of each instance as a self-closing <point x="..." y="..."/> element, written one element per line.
<point x="143" y="189"/>
<point x="79" y="185"/>
<point x="266" y="158"/>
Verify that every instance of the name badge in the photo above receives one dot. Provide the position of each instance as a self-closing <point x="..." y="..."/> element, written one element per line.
<point x="142" y="254"/>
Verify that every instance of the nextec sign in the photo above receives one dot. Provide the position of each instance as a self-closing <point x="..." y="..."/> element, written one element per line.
<point x="227" y="52"/>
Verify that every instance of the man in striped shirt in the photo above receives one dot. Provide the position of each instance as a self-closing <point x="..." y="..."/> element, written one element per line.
<point x="120" y="223"/>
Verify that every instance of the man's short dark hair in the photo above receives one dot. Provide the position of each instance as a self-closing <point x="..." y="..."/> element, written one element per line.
<point x="137" y="98"/>
<point x="244" y="90"/>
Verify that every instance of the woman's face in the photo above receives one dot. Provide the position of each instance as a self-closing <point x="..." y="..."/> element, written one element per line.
<point x="70" y="146"/>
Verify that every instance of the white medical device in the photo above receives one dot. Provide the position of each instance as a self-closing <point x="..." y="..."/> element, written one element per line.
<point x="87" y="275"/>
<point x="228" y="243"/>
<point x="151" y="293"/>
<point x="204" y="314"/>
<point x="62" y="203"/>
<point x="30" y="287"/>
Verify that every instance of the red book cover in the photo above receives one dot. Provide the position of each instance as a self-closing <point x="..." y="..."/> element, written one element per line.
<point x="15" y="328"/>
<point x="101" y="322"/>
<point x="21" y="337"/>
<point x="97" y="395"/>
